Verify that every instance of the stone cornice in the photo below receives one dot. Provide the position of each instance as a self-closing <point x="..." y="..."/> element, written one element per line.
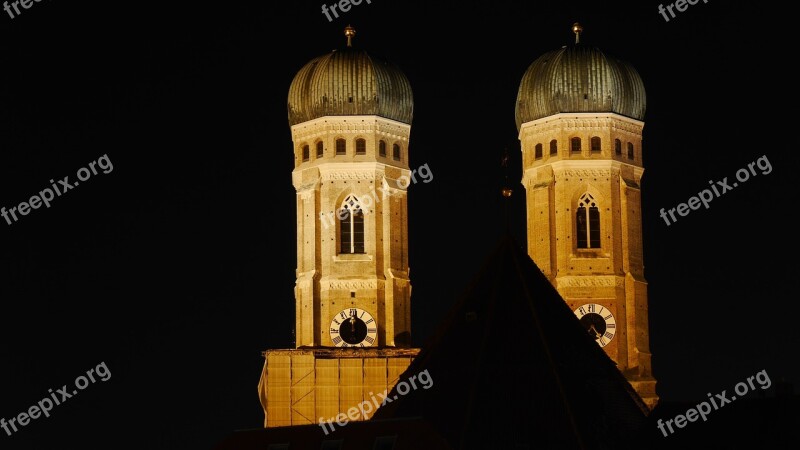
<point x="579" y="121"/>
<point x="345" y="353"/>
<point x="350" y="125"/>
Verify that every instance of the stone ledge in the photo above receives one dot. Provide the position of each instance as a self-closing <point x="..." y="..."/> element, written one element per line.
<point x="350" y="352"/>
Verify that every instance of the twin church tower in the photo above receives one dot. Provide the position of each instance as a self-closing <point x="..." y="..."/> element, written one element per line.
<point x="579" y="114"/>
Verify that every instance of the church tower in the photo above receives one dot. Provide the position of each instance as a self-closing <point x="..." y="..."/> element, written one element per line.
<point x="579" y="114"/>
<point x="350" y="117"/>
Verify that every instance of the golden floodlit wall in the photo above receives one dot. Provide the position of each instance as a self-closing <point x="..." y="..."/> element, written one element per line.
<point x="300" y="387"/>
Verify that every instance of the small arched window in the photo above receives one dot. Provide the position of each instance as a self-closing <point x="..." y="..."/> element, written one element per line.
<point x="382" y="149"/>
<point x="306" y="153"/>
<point x="351" y="226"/>
<point x="587" y="220"/>
<point x="575" y="145"/>
<point x="617" y="147"/>
<point x="630" y="150"/>
<point x="396" y="152"/>
<point x="361" y="147"/>
<point x="553" y="147"/>
<point x="538" y="152"/>
<point x="596" y="145"/>
<point x="319" y="149"/>
<point x="341" y="147"/>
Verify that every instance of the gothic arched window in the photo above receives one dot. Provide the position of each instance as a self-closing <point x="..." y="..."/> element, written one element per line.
<point x="587" y="219"/>
<point x="351" y="226"/>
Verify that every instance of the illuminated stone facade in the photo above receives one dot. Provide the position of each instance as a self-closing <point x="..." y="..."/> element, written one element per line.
<point x="375" y="279"/>
<point x="350" y="117"/>
<point x="319" y="380"/>
<point x="585" y="226"/>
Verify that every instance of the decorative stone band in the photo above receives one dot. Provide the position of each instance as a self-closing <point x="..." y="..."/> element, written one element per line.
<point x="582" y="121"/>
<point x="582" y="173"/>
<point x="591" y="281"/>
<point x="349" y="175"/>
<point x="349" y="284"/>
<point x="350" y="125"/>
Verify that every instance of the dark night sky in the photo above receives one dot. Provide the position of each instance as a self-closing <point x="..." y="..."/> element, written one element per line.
<point x="177" y="268"/>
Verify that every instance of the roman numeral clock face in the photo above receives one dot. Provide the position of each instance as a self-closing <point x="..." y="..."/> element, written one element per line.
<point x="353" y="327"/>
<point x="598" y="322"/>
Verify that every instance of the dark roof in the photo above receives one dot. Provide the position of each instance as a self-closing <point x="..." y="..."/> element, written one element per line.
<point x="511" y="365"/>
<point x="404" y="434"/>
<point x="350" y="82"/>
<point x="579" y="78"/>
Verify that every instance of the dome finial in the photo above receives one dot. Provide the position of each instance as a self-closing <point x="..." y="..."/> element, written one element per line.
<point x="349" y="32"/>
<point x="577" y="29"/>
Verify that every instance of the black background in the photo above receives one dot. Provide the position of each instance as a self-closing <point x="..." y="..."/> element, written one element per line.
<point x="177" y="268"/>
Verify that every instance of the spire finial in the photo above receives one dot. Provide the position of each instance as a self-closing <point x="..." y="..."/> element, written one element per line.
<point x="577" y="29"/>
<point x="349" y="32"/>
<point x="506" y="189"/>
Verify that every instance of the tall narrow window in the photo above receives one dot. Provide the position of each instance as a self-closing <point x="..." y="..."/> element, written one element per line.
<point x="396" y="152"/>
<point x="596" y="145"/>
<point x="617" y="147"/>
<point x="538" y="154"/>
<point x="630" y="150"/>
<point x="587" y="220"/>
<point x="553" y="147"/>
<point x="351" y="232"/>
<point x="576" y="144"/>
<point x="319" y="149"/>
<point x="306" y="153"/>
<point x="341" y="147"/>
<point x="382" y="149"/>
<point x="361" y="147"/>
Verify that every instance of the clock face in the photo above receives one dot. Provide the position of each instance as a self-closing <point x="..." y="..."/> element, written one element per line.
<point x="353" y="327"/>
<point x="598" y="322"/>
